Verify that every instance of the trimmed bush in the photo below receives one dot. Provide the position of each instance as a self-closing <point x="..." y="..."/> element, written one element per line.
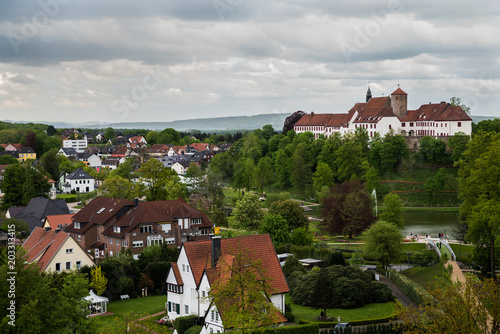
<point x="413" y="290"/>
<point x="182" y="324"/>
<point x="300" y="329"/>
<point x="193" y="330"/>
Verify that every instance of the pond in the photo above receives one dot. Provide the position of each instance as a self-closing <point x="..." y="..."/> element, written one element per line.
<point x="430" y="222"/>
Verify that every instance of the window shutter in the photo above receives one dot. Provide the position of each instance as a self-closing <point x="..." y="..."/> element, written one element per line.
<point x="178" y="308"/>
<point x="169" y="306"/>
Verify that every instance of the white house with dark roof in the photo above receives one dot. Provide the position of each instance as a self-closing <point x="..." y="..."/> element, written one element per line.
<point x="390" y="114"/>
<point x="68" y="152"/>
<point x="78" y="144"/>
<point x="79" y="181"/>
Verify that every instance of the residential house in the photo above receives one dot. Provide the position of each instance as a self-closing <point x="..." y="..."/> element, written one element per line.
<point x="180" y="167"/>
<point x="137" y="142"/>
<point x="12" y="147"/>
<point x="158" y="150"/>
<point x="27" y="153"/>
<point x="119" y="151"/>
<point x="112" y="162"/>
<point x="100" y="136"/>
<point x="78" y="144"/>
<point x="79" y="181"/>
<point x="68" y="152"/>
<point x="14" y="154"/>
<point x="390" y="114"/>
<point x="37" y="210"/>
<point x="199" y="264"/>
<point x="92" y="150"/>
<point x="224" y="147"/>
<point x="91" y="160"/>
<point x="70" y="134"/>
<point x="108" y="225"/>
<point x="55" y="250"/>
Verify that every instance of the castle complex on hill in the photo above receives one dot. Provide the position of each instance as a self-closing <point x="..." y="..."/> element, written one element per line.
<point x="390" y="113"/>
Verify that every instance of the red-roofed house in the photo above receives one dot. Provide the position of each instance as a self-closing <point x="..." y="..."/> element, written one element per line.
<point x="58" y="221"/>
<point x="55" y="250"/>
<point x="107" y="225"/>
<point x="390" y="113"/>
<point x="188" y="280"/>
<point x="137" y="142"/>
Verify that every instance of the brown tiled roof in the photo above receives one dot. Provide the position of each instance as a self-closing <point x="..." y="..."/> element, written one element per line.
<point x="399" y="91"/>
<point x="177" y="273"/>
<point x="436" y="112"/>
<point x="336" y="120"/>
<point x="257" y="247"/>
<point x="158" y="148"/>
<point x="377" y="102"/>
<point x="156" y="212"/>
<point x="373" y="115"/>
<point x="56" y="220"/>
<point x="89" y="214"/>
<point x="45" y="244"/>
<point x="119" y="151"/>
<point x="314" y="119"/>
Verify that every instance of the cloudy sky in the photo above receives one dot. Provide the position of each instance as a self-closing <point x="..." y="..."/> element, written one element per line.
<point x="126" y="61"/>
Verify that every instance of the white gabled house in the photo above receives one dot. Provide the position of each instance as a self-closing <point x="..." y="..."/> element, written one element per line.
<point x="188" y="284"/>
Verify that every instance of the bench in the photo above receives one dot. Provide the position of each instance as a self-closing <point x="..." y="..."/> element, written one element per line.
<point x="124" y="297"/>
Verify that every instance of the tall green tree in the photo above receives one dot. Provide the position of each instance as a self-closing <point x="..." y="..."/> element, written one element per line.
<point x="323" y="177"/>
<point x="20" y="184"/>
<point x="478" y="179"/>
<point x="434" y="150"/>
<point x="292" y="212"/>
<point x="248" y="213"/>
<point x="282" y="167"/>
<point x="277" y="227"/>
<point x="301" y="175"/>
<point x="383" y="242"/>
<point x="109" y="134"/>
<point x="263" y="174"/>
<point x="156" y="176"/>
<point x="393" y="212"/>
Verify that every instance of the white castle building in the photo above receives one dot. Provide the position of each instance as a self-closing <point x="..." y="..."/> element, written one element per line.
<point x="383" y="114"/>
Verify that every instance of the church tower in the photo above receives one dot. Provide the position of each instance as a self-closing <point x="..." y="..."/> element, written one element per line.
<point x="368" y="93"/>
<point x="399" y="102"/>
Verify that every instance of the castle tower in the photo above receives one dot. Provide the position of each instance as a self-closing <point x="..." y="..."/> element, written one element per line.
<point x="399" y="102"/>
<point x="368" y="93"/>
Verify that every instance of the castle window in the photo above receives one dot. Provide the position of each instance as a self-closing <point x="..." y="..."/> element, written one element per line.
<point x="403" y="125"/>
<point x="459" y="124"/>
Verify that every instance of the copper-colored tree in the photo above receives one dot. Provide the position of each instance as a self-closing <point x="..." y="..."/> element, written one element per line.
<point x="348" y="209"/>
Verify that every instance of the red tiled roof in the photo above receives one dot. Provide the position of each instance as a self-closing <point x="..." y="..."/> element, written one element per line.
<point x="177" y="273"/>
<point x="377" y="102"/>
<point x="373" y="115"/>
<point x="336" y="120"/>
<point x="119" y="151"/>
<point x="257" y="247"/>
<point x="45" y="244"/>
<point x="314" y="119"/>
<point x="399" y="91"/>
<point x="56" y="220"/>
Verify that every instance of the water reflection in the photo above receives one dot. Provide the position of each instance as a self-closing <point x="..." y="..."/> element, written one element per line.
<point x="430" y="222"/>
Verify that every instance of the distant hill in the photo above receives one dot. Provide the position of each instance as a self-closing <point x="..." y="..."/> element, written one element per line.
<point x="202" y="124"/>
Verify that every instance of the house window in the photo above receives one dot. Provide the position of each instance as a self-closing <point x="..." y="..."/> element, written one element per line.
<point x="390" y="126"/>
<point x="183" y="267"/>
<point x="411" y="123"/>
<point x="137" y="243"/>
<point x="213" y="315"/>
<point x="125" y="243"/>
<point x="203" y="293"/>
<point x="78" y="264"/>
<point x="146" y="228"/>
<point x="459" y="124"/>
<point x="186" y="309"/>
<point x="178" y="308"/>
<point x="116" y="229"/>
<point x="403" y="124"/>
<point x="196" y="221"/>
<point x="68" y="265"/>
<point x="217" y="316"/>
<point x="76" y="225"/>
<point x="110" y="253"/>
<point x="98" y="237"/>
<point x="58" y="267"/>
<point x="79" y="237"/>
<point x="110" y="241"/>
<point x="169" y="306"/>
<point x="69" y="250"/>
<point x="187" y="267"/>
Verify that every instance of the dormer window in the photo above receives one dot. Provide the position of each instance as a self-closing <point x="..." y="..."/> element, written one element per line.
<point x="76" y="225"/>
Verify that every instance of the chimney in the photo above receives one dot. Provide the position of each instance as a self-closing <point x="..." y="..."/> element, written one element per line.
<point x="216" y="251"/>
<point x="47" y="228"/>
<point x="136" y="202"/>
<point x="57" y="230"/>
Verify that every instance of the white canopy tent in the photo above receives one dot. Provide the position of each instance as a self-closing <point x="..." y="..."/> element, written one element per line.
<point x="97" y="304"/>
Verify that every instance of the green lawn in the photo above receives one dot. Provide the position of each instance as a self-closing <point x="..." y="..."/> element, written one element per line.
<point x="371" y="311"/>
<point x="129" y="309"/>
<point x="425" y="275"/>
<point x="464" y="250"/>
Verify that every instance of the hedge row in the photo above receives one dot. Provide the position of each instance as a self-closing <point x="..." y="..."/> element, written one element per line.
<point x="413" y="290"/>
<point x="391" y="328"/>
<point x="299" y="329"/>
<point x="329" y="324"/>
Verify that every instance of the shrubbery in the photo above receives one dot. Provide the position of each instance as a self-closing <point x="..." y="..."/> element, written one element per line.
<point x="183" y="324"/>
<point x="329" y="256"/>
<point x="414" y="291"/>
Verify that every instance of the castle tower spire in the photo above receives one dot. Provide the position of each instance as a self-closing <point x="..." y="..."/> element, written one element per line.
<point x="368" y="93"/>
